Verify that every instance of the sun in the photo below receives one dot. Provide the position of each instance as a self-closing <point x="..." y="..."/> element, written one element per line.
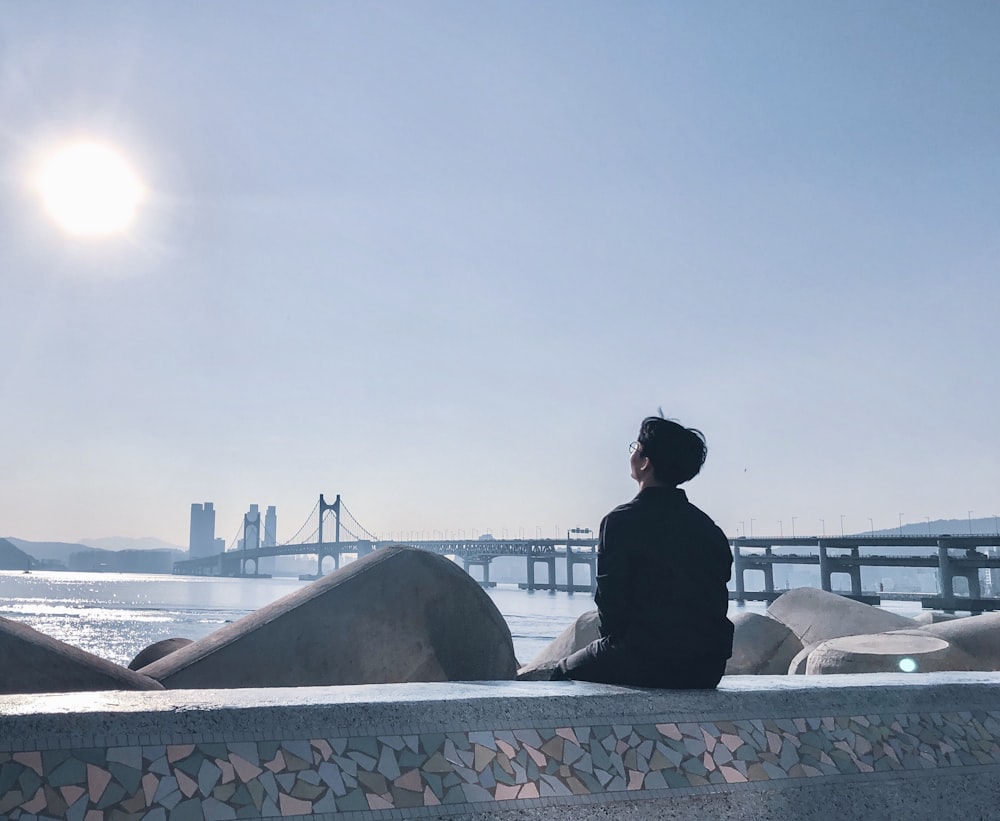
<point x="89" y="189"/>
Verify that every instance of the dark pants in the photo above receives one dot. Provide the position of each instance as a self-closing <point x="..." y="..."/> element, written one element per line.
<point x="607" y="663"/>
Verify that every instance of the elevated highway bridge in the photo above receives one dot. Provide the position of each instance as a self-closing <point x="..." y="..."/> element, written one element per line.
<point x="954" y="557"/>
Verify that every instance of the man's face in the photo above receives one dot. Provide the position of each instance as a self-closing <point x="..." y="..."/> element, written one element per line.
<point x="636" y="461"/>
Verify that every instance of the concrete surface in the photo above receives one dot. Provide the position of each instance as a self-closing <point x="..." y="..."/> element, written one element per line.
<point x="32" y="662"/>
<point x="832" y="747"/>
<point x="398" y="614"/>
<point x="909" y="651"/>
<point x="815" y="615"/>
<point x="979" y="636"/>
<point x="578" y="635"/>
<point x="156" y="651"/>
<point x="761" y="646"/>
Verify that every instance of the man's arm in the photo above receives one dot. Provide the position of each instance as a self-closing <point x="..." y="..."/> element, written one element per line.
<point x="612" y="576"/>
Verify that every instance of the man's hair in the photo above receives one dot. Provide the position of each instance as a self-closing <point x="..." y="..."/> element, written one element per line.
<point x="676" y="452"/>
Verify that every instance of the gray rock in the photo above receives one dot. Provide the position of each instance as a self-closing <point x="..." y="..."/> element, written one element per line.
<point x="157" y="651"/>
<point x="396" y="615"/>
<point x="578" y="635"/>
<point x="979" y="636"/>
<point x="33" y="662"/>
<point x="761" y="646"/>
<point x="797" y="666"/>
<point x="815" y="615"/>
<point x="907" y="651"/>
<point x="934" y="617"/>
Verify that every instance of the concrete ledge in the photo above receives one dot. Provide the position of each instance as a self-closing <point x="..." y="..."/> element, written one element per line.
<point x="884" y="746"/>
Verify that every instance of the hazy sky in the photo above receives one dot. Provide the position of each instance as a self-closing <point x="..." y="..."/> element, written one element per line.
<point x="441" y="258"/>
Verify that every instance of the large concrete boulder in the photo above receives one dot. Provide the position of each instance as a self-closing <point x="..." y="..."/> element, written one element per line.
<point x="32" y="662"/>
<point x="797" y="666"/>
<point x="761" y="646"/>
<point x="815" y="615"/>
<point x="578" y="635"/>
<point x="396" y="615"/>
<point x="907" y="651"/>
<point x="979" y="636"/>
<point x="156" y="651"/>
<point x="934" y="617"/>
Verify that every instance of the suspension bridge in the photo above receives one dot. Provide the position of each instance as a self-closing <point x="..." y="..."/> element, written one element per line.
<point x="351" y="539"/>
<point x="955" y="559"/>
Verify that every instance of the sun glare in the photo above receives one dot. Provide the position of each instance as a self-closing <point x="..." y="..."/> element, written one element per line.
<point x="90" y="190"/>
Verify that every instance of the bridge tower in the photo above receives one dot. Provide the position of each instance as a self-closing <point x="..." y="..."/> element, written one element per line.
<point x="251" y="537"/>
<point x="334" y="551"/>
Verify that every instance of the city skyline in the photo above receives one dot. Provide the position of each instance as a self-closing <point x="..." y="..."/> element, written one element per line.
<point x="442" y="259"/>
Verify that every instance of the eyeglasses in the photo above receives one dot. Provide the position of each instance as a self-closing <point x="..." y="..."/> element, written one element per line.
<point x="633" y="447"/>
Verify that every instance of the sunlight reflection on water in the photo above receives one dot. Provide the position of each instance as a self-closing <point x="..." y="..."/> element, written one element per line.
<point x="116" y="615"/>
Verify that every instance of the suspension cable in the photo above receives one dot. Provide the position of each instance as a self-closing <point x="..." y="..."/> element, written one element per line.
<point x="303" y="527"/>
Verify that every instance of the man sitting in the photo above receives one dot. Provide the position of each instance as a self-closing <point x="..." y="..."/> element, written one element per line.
<point x="662" y="568"/>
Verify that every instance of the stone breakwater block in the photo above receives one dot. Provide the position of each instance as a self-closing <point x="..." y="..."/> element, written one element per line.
<point x="157" y="651"/>
<point x="32" y="662"/>
<point x="979" y="636"/>
<point x="797" y="666"/>
<point x="815" y="615"/>
<point x="934" y="617"/>
<point x="761" y="646"/>
<point x="908" y="651"/>
<point x="578" y="635"/>
<point x="397" y="615"/>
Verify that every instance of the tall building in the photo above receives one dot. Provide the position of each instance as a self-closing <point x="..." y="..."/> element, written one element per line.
<point x="202" y="541"/>
<point x="271" y="527"/>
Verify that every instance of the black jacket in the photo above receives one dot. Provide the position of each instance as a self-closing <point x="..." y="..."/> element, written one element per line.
<point x="662" y="569"/>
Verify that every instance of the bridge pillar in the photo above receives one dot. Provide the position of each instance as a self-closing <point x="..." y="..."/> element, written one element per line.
<point x="946" y="572"/>
<point x="482" y="561"/>
<point x="550" y="562"/>
<point x="971" y="575"/>
<point x="320" y="555"/>
<point x="572" y="559"/>
<point x="739" y="566"/>
<point x="855" y="572"/>
<point x="975" y="590"/>
<point x="589" y="559"/>
<point x="768" y="575"/>
<point x="825" y="569"/>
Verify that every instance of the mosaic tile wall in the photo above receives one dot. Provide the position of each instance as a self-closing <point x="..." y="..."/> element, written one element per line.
<point x="386" y="776"/>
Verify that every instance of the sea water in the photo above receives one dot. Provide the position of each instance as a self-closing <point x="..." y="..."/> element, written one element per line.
<point x="115" y="615"/>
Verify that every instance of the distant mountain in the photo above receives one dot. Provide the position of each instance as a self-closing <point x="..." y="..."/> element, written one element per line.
<point x="48" y="551"/>
<point x="12" y="557"/>
<point x="152" y="556"/>
<point x="125" y="543"/>
<point x="941" y="527"/>
<point x="126" y="561"/>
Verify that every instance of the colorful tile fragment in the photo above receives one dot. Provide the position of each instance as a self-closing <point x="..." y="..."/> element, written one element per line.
<point x="280" y="778"/>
